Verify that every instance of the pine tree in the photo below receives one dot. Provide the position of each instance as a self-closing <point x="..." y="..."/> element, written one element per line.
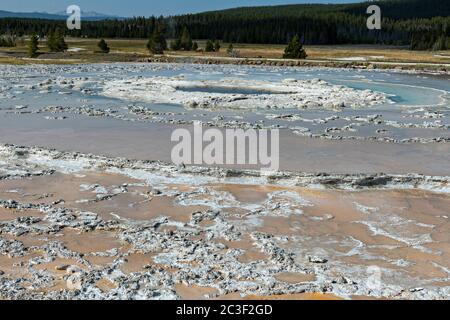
<point x="440" y="44"/>
<point x="33" y="46"/>
<point x="51" y="41"/>
<point x="195" y="46"/>
<point x="230" y="49"/>
<point x="295" y="50"/>
<point x="157" y="42"/>
<point x="175" y="44"/>
<point x="61" y="44"/>
<point x="232" y="52"/>
<point x="209" y="46"/>
<point x="216" y="46"/>
<point x="56" y="42"/>
<point x="186" y="40"/>
<point x="103" y="46"/>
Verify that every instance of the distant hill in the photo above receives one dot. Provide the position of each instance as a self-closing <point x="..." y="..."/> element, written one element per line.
<point x="393" y="9"/>
<point x="89" y="16"/>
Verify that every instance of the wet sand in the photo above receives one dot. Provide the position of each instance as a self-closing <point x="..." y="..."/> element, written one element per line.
<point x="249" y="241"/>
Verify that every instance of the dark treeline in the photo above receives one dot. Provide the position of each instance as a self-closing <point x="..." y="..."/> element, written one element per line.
<point x="131" y="28"/>
<point x="421" y="24"/>
<point x="404" y="9"/>
<point x="335" y="28"/>
<point x="393" y="9"/>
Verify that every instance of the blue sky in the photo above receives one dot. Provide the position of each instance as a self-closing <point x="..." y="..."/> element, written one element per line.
<point x="143" y="7"/>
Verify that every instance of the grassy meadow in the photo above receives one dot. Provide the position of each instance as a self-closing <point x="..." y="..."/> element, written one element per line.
<point x="85" y="51"/>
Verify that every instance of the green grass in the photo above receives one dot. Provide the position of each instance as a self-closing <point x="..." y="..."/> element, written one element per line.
<point x="123" y="50"/>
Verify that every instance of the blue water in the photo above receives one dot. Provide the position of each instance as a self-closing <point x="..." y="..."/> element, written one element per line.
<point x="404" y="89"/>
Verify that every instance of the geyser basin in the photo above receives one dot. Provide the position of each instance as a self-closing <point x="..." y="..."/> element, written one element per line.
<point x="235" y="93"/>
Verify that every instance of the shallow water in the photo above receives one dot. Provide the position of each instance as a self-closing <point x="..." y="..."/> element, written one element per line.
<point x="409" y="89"/>
<point x="419" y="109"/>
